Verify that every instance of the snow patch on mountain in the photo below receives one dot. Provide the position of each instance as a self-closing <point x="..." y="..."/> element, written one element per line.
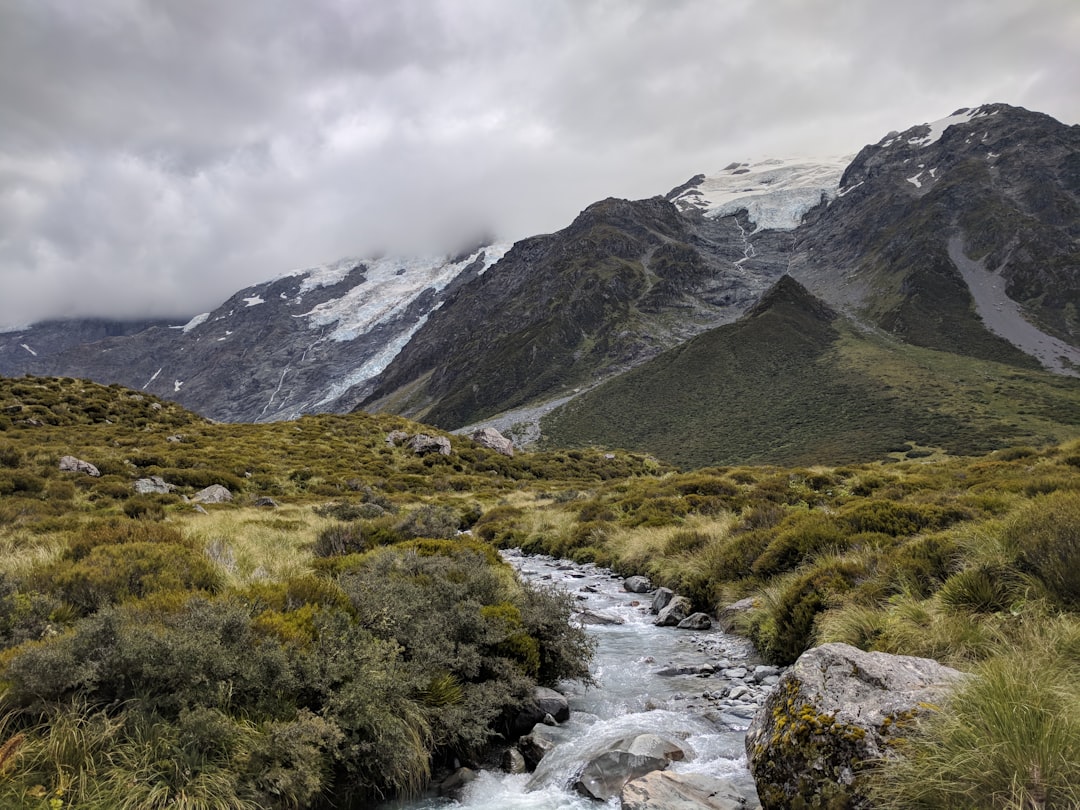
<point x="254" y="301"/>
<point x="776" y="194"/>
<point x="198" y="320"/>
<point x="390" y="286"/>
<point x="937" y="128"/>
<point x="28" y="349"/>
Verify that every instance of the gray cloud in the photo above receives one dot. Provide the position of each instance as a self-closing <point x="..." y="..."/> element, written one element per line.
<point x="157" y="156"/>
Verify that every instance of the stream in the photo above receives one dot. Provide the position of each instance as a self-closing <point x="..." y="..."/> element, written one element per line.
<point x="695" y="687"/>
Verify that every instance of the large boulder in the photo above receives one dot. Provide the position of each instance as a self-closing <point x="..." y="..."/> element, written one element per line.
<point x="660" y="600"/>
<point x="215" y="493"/>
<point x="534" y="746"/>
<point x="545" y="702"/>
<point x="155" y="484"/>
<point x="695" y="621"/>
<point x="637" y="584"/>
<point x="422" y="444"/>
<point x="833" y="714"/>
<point x="493" y="440"/>
<point x="664" y="790"/>
<point x="628" y="758"/>
<point x="673" y="612"/>
<point x="72" y="464"/>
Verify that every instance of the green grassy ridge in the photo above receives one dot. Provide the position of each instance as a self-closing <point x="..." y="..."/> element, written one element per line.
<point x="789" y="384"/>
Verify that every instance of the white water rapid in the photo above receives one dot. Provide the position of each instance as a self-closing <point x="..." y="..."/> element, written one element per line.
<point x="632" y="696"/>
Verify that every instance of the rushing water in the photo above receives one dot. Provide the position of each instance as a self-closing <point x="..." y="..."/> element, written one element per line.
<point x="630" y="697"/>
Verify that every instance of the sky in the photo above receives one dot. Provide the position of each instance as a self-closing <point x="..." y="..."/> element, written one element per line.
<point x="157" y="156"/>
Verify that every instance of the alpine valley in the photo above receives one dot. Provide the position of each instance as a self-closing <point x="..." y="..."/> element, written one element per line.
<point x="922" y="296"/>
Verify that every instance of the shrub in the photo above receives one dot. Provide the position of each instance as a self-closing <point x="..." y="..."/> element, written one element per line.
<point x="114" y="573"/>
<point x="141" y="507"/>
<point x="429" y="521"/>
<point x="347" y="510"/>
<point x="343" y="538"/>
<point x="121" y="532"/>
<point x="806" y="536"/>
<point x="981" y="589"/>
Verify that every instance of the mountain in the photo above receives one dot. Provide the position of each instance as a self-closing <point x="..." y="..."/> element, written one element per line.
<point x="795" y="382"/>
<point x="950" y="235"/>
<point x="292" y="345"/>
<point x="949" y="246"/>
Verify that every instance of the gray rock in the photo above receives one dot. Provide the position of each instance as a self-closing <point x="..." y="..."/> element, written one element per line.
<point x="155" y="484"/>
<point x="548" y="701"/>
<point x="267" y="502"/>
<point x="764" y="671"/>
<point x="513" y="761"/>
<point x="736" y="673"/>
<point x="72" y="464"/>
<point x="629" y="758"/>
<point x="493" y="440"/>
<point x="664" y="790"/>
<point x="534" y="747"/>
<point x="695" y="621"/>
<point x="452" y="785"/>
<point x="215" y="493"/>
<point x="834" y="714"/>
<point x="674" y="612"/>
<point x="422" y="444"/>
<point x="637" y="584"/>
<point x="660" y="599"/>
<point x="597" y="618"/>
<point x="727" y="617"/>
<point x="396" y="437"/>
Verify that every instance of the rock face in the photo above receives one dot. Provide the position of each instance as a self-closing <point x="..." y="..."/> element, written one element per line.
<point x="546" y="702"/>
<point x="605" y="774"/>
<point x="493" y="440"/>
<point x="215" y="493"/>
<point x="660" y="599"/>
<point x="664" y="790"/>
<point x="836" y="711"/>
<point x="72" y="464"/>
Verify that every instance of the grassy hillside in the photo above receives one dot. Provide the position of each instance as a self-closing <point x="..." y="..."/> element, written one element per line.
<point x="155" y="654"/>
<point x="792" y="383"/>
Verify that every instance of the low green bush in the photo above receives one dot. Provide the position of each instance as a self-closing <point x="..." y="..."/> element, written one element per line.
<point x="1047" y="533"/>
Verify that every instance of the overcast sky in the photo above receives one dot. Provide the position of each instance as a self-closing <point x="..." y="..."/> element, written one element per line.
<point x="159" y="155"/>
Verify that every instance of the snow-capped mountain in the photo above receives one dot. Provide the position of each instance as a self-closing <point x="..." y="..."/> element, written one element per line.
<point x="959" y="235"/>
<point x="295" y="344"/>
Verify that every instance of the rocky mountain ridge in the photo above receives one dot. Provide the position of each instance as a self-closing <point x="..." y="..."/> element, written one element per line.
<point x="960" y="236"/>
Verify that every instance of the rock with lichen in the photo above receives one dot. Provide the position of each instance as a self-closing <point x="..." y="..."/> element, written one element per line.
<point x="832" y="716"/>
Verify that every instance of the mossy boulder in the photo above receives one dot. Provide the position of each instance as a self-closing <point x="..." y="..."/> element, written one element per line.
<point x="832" y="716"/>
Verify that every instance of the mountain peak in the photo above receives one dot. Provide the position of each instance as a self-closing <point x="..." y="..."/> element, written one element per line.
<point x="789" y="293"/>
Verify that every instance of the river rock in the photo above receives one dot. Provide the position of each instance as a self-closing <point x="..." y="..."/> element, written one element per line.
<point x="674" y="612"/>
<point x="422" y="444"/>
<point x="660" y="600"/>
<point x="493" y="440"/>
<point x="596" y="617"/>
<point x="695" y="621"/>
<point x="727" y="617"/>
<point x="548" y="701"/>
<point x="452" y="785"/>
<point x="533" y="747"/>
<point x="832" y="715"/>
<point x="215" y="493"/>
<point x="605" y="774"/>
<point x="664" y="790"/>
<point x="155" y="484"/>
<point x="513" y="761"/>
<point x="72" y="464"/>
<point x="637" y="584"/>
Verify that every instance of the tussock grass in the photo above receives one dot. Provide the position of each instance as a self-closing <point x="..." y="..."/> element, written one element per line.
<point x="251" y="544"/>
<point x="1008" y="739"/>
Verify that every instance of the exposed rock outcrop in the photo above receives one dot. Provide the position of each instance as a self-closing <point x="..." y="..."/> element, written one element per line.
<point x="72" y="464"/>
<point x="832" y="715"/>
<point x="422" y="444"/>
<point x="155" y="484"/>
